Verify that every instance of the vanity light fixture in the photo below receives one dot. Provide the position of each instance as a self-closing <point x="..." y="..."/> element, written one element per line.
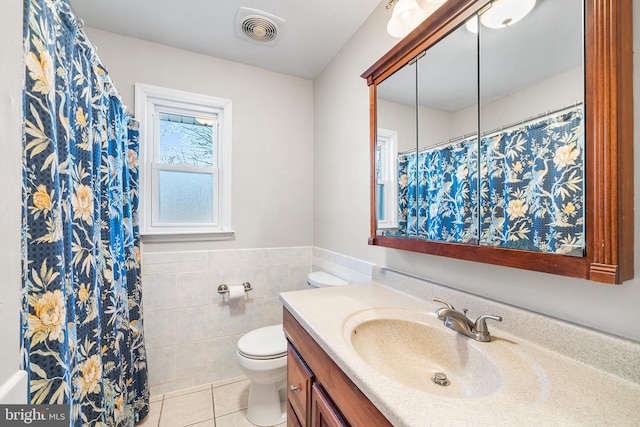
<point x="506" y="12"/>
<point x="406" y="16"/>
<point x="501" y="14"/>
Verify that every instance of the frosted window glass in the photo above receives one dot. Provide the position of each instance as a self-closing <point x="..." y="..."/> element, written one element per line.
<point x="185" y="197"/>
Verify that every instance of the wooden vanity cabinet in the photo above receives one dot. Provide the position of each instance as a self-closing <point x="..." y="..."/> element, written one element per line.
<point x="298" y="388"/>
<point x="323" y="412"/>
<point x="319" y="393"/>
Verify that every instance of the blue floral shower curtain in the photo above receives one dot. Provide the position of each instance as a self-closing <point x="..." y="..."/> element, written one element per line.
<point x="407" y="187"/>
<point x="447" y="201"/>
<point x="532" y="186"/>
<point x="82" y="334"/>
<point x="437" y="193"/>
<point x="528" y="184"/>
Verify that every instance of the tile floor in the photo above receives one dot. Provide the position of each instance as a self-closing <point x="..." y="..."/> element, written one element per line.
<point x="222" y="404"/>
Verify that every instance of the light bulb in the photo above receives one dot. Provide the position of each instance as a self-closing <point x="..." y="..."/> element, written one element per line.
<point x="406" y="16"/>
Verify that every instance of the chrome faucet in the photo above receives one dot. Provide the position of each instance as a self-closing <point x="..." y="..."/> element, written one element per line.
<point x="459" y="322"/>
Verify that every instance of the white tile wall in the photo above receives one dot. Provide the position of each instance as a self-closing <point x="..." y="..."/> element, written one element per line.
<point x="190" y="330"/>
<point x="353" y="270"/>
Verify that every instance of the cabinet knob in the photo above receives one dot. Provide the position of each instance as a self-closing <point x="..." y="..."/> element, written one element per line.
<point x="293" y="388"/>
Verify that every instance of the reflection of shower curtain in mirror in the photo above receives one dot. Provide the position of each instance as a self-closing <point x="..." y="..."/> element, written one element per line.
<point x="407" y="212"/>
<point x="531" y="188"/>
<point x="532" y="185"/>
<point x="445" y="180"/>
<point x="447" y="207"/>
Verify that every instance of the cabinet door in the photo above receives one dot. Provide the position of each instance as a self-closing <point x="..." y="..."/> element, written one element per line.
<point x="323" y="412"/>
<point x="298" y="386"/>
<point x="292" y="417"/>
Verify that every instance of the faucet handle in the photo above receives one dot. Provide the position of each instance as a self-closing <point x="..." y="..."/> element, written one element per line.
<point x="441" y="301"/>
<point x="480" y="327"/>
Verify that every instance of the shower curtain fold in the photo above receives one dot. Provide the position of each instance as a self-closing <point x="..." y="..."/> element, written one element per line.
<point x="82" y="325"/>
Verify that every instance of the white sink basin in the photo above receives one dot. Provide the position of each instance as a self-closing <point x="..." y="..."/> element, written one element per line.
<point x="411" y="347"/>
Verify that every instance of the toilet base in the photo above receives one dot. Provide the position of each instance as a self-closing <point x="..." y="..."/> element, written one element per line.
<point x="265" y="406"/>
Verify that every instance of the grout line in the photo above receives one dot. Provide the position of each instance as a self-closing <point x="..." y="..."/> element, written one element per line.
<point x="228" y="381"/>
<point x="201" y="421"/>
<point x="213" y="405"/>
<point x="161" y="407"/>
<point x="184" y="392"/>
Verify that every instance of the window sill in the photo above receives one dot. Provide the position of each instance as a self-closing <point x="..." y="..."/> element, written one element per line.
<point x="188" y="236"/>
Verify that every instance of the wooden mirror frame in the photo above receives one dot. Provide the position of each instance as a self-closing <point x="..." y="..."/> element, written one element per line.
<point x="608" y="145"/>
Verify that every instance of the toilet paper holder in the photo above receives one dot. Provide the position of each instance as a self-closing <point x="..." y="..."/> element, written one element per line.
<point x="224" y="289"/>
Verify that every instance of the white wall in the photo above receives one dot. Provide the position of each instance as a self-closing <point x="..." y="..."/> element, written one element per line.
<point x="557" y="92"/>
<point x="12" y="72"/>
<point x="341" y="223"/>
<point x="272" y="135"/>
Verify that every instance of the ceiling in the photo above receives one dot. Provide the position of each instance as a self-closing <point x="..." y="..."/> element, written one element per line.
<point x="312" y="32"/>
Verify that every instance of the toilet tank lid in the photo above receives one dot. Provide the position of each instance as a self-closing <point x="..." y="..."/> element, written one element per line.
<point x="320" y="279"/>
<point x="264" y="342"/>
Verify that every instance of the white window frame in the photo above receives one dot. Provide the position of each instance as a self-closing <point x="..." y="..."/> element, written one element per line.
<point x="150" y="102"/>
<point x="387" y="140"/>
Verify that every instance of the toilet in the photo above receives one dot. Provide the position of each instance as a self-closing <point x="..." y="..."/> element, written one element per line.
<point x="262" y="356"/>
<point x="322" y="279"/>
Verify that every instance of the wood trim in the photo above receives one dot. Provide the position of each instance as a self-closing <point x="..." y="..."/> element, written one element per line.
<point x="547" y="263"/>
<point x="443" y="21"/>
<point x="609" y="100"/>
<point x="292" y="418"/>
<point x="353" y="405"/>
<point x="322" y="411"/>
<point x="609" y="220"/>
<point x="373" y="142"/>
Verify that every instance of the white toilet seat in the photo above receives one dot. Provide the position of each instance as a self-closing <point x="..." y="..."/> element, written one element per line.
<point x="263" y="343"/>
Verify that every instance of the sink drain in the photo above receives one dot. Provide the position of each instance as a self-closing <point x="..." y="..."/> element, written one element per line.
<point x="440" y="379"/>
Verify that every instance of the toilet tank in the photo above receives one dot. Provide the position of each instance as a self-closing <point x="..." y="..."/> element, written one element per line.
<point x="322" y="279"/>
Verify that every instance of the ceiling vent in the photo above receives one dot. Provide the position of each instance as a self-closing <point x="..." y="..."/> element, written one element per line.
<point x="257" y="26"/>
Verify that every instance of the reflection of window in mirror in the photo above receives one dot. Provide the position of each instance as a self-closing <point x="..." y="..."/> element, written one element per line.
<point x="386" y="171"/>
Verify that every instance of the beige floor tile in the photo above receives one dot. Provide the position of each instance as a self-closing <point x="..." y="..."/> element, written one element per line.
<point x="189" y="390"/>
<point x="153" y="419"/>
<point x="238" y="419"/>
<point x="187" y="409"/>
<point x="226" y="381"/>
<point x="231" y="397"/>
<point x="208" y="423"/>
<point x="235" y="419"/>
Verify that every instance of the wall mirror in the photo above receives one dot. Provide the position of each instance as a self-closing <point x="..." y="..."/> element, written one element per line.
<point x="487" y="139"/>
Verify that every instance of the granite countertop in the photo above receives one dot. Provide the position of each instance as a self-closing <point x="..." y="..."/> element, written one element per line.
<point x="552" y="389"/>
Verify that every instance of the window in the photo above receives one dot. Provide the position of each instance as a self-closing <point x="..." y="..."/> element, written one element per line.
<point x="386" y="170"/>
<point x="185" y="164"/>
